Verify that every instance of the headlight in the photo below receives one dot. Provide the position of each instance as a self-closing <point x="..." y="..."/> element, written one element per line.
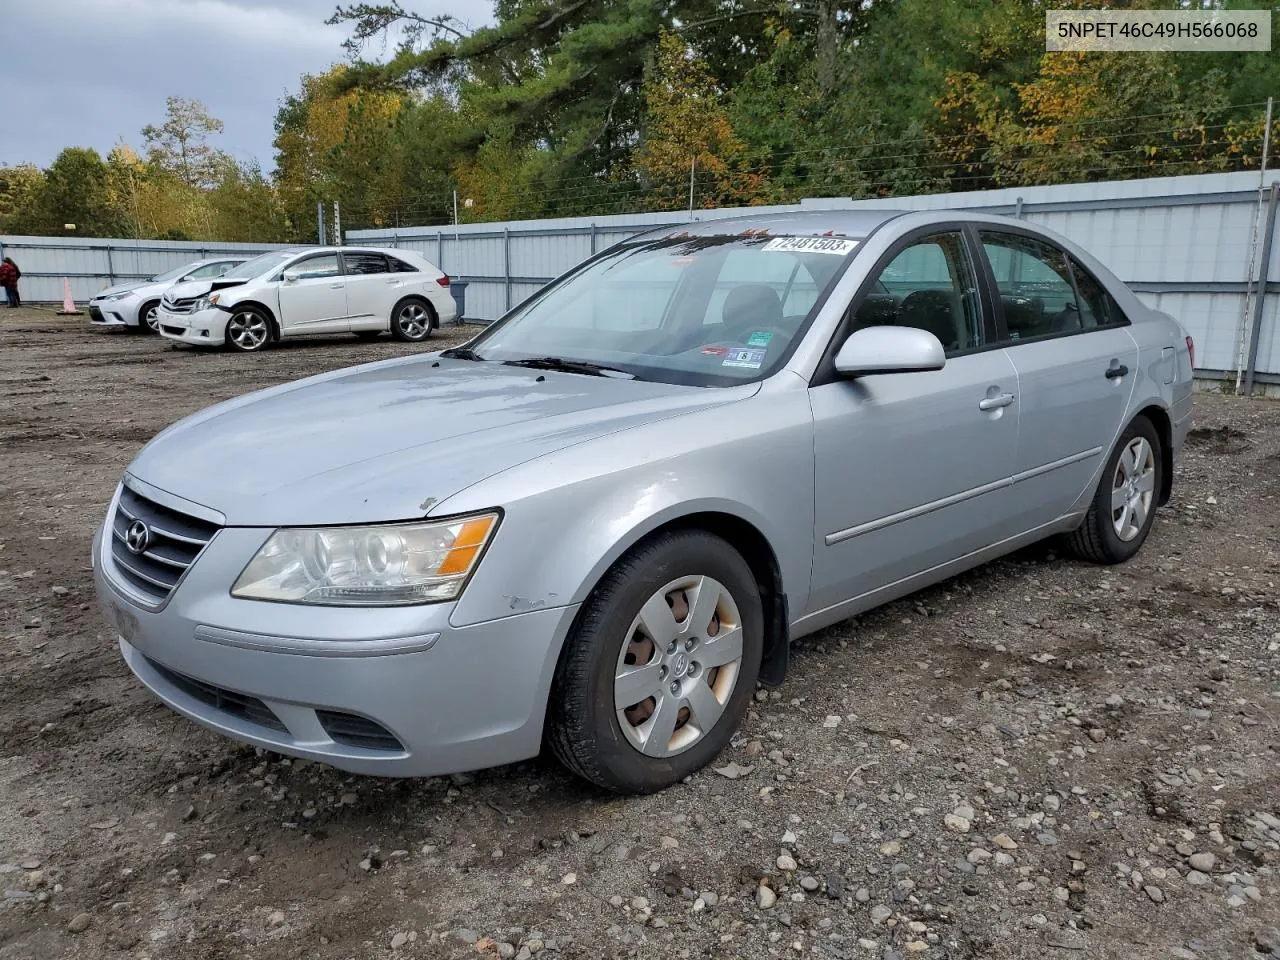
<point x="204" y="303"/>
<point x="115" y="296"/>
<point x="386" y="565"/>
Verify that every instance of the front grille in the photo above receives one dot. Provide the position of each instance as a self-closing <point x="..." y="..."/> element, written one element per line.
<point x="176" y="331"/>
<point x="357" y="731"/>
<point x="175" y="539"/>
<point x="239" y="705"/>
<point x="95" y="314"/>
<point x="185" y="305"/>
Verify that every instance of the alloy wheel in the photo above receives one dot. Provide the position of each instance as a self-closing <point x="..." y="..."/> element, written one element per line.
<point x="248" y="330"/>
<point x="679" y="666"/>
<point x="1133" y="489"/>
<point x="413" y="321"/>
<point x="152" y="319"/>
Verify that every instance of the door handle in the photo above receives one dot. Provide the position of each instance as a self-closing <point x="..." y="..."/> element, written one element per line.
<point x="1120" y="370"/>
<point x="994" y="403"/>
<point x="335" y="286"/>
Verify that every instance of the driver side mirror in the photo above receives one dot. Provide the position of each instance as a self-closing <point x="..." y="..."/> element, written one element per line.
<point x="292" y="276"/>
<point x="889" y="349"/>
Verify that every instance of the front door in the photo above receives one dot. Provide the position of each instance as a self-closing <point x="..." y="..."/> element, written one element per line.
<point x="909" y="467"/>
<point x="315" y="300"/>
<point x="1076" y="366"/>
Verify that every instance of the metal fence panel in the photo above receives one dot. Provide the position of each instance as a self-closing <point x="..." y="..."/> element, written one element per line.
<point x="1184" y="243"/>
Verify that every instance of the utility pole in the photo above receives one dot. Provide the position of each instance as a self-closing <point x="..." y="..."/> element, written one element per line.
<point x="320" y="222"/>
<point x="693" y="166"/>
<point x="455" y="214"/>
<point x="337" y="225"/>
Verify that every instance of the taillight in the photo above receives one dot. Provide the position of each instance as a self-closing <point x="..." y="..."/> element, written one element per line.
<point x="1191" y="349"/>
<point x="444" y="282"/>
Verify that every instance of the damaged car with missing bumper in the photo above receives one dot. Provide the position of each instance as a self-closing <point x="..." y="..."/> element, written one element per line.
<point x="601" y="522"/>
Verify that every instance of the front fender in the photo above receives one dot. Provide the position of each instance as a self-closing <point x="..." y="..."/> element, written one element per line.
<point x="567" y="518"/>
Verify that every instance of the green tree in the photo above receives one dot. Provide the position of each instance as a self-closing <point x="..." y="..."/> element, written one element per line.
<point x="75" y="190"/>
<point x="20" y="188"/>
<point x="181" y="143"/>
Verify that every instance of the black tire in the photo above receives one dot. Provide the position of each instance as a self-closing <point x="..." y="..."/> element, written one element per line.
<point x="583" y="726"/>
<point x="144" y="326"/>
<point x="412" y="320"/>
<point x="368" y="334"/>
<point x="1096" y="539"/>
<point x="252" y="318"/>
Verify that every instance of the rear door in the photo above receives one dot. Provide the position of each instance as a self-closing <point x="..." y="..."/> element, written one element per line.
<point x="316" y="301"/>
<point x="371" y="289"/>
<point x="909" y="467"/>
<point x="1076" y="365"/>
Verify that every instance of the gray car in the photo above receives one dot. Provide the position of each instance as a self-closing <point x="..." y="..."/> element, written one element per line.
<point x="602" y="521"/>
<point x="135" y="304"/>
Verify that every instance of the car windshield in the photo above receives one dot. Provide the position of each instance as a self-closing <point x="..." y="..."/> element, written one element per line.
<point x="259" y="265"/>
<point x="700" y="310"/>
<point x="175" y="273"/>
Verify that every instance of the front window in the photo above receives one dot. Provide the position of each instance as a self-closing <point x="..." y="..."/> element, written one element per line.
<point x="173" y="274"/>
<point x="258" y="266"/>
<point x="701" y="310"/>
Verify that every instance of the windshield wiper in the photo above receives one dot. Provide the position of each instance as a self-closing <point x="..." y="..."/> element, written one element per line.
<point x="570" y="366"/>
<point x="461" y="353"/>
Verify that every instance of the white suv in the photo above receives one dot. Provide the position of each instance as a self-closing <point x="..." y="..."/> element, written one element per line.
<point x="302" y="291"/>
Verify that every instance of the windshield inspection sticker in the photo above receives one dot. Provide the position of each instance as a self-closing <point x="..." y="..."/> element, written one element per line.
<point x="838" y="246"/>
<point x="751" y="359"/>
<point x="761" y="338"/>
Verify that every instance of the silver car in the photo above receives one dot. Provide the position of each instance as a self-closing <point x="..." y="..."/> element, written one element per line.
<point x="135" y="304"/>
<point x="602" y="521"/>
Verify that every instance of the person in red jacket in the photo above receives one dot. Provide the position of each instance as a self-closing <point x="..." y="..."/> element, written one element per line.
<point x="9" y="274"/>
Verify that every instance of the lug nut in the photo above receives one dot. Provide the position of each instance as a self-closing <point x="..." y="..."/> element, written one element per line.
<point x="675" y="687"/>
<point x="688" y="644"/>
<point x="662" y="673"/>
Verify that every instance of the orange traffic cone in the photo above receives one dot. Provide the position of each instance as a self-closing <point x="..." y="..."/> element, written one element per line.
<point x="68" y="305"/>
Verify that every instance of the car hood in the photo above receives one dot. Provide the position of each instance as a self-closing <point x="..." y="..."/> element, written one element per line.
<point x="198" y="288"/>
<point x="389" y="440"/>
<point x="122" y="288"/>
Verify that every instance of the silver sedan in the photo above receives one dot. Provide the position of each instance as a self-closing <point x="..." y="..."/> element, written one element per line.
<point x="602" y="521"/>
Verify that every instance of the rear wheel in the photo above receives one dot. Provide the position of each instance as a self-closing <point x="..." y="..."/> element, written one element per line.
<point x="1124" y="506"/>
<point x="249" y="329"/>
<point x="661" y="665"/>
<point x="148" y="317"/>
<point x="412" y="320"/>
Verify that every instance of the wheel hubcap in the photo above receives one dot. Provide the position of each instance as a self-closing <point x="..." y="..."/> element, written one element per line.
<point x="413" y="321"/>
<point x="1133" y="489"/>
<point x="248" y="330"/>
<point x="679" y="666"/>
<point x="151" y="319"/>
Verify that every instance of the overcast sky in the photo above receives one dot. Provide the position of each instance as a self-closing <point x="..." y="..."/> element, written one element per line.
<point x="89" y="72"/>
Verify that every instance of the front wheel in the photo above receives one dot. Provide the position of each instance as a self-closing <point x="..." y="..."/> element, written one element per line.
<point x="148" y="317"/>
<point x="661" y="665"/>
<point x="248" y="329"/>
<point x="411" y="321"/>
<point x="1124" y="506"/>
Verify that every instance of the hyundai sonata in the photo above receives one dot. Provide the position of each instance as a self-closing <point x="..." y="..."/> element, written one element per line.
<point x="603" y="520"/>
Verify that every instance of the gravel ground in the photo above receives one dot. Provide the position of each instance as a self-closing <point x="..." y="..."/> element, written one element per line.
<point x="1040" y="758"/>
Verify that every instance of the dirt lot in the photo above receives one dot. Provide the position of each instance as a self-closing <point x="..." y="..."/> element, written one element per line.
<point x="1027" y="761"/>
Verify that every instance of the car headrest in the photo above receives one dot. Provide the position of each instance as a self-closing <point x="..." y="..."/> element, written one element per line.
<point x="1023" y="314"/>
<point x="932" y="310"/>
<point x="750" y="307"/>
<point x="877" y="309"/>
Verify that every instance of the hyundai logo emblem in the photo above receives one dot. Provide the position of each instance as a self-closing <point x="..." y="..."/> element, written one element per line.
<point x="138" y="537"/>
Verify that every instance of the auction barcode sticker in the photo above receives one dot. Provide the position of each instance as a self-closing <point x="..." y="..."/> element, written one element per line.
<point x="838" y="246"/>
<point x="1205" y="31"/>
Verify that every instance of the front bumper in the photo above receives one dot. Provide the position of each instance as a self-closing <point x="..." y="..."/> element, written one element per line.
<point x="113" y="313"/>
<point x="394" y="691"/>
<point x="206" y="328"/>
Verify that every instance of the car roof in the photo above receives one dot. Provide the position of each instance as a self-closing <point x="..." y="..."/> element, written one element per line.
<point x="807" y="223"/>
<point x="352" y="248"/>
